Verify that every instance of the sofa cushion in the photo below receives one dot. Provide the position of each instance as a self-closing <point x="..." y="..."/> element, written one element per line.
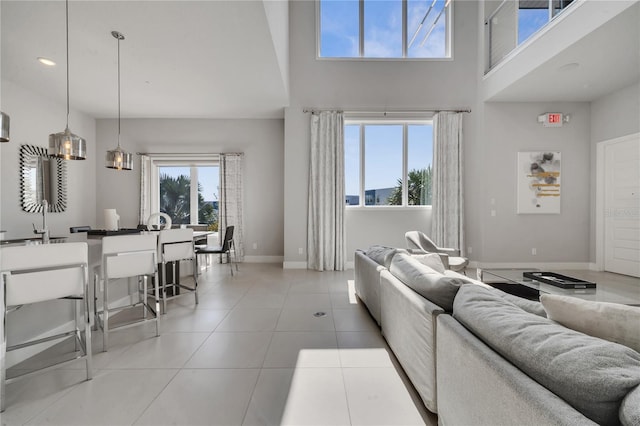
<point x="432" y="260"/>
<point x="591" y="374"/>
<point x="630" y="408"/>
<point x="383" y="255"/>
<point x="439" y="289"/>
<point x="610" y="321"/>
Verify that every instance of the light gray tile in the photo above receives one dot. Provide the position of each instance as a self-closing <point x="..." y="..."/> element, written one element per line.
<point x="310" y="301"/>
<point x="354" y="320"/>
<point x="170" y="350"/>
<point x="304" y="320"/>
<point x="303" y="349"/>
<point x="377" y="396"/>
<point x="113" y="397"/>
<point x="203" y="397"/>
<point x="250" y="320"/>
<point x="232" y="350"/>
<point x="316" y="397"/>
<point x="363" y="349"/>
<point x="191" y="319"/>
<point x="261" y="300"/>
<point x="29" y="396"/>
<point x="269" y="398"/>
<point x="309" y="287"/>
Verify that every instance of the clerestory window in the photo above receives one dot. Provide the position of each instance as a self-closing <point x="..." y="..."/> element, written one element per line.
<point x="388" y="163"/>
<point x="384" y="28"/>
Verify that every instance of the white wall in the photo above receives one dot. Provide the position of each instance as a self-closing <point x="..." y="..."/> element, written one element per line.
<point x="260" y="140"/>
<point x="367" y="84"/>
<point x="614" y="115"/>
<point x="33" y="118"/>
<point x="509" y="237"/>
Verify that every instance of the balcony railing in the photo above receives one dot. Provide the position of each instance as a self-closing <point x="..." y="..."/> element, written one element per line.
<point x="514" y="21"/>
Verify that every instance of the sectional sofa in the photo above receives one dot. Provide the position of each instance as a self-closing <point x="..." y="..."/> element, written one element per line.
<point x="477" y="355"/>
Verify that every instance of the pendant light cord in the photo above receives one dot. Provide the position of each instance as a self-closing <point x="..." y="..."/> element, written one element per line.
<point x="118" y="91"/>
<point x="67" y="25"/>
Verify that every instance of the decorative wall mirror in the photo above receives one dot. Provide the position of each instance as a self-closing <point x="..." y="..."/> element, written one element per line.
<point x="42" y="177"/>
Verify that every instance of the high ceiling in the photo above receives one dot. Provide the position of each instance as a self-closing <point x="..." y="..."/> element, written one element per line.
<point x="179" y="59"/>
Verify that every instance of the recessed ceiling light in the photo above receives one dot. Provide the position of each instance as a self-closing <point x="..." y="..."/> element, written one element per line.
<point x="569" y="67"/>
<point x="46" y="61"/>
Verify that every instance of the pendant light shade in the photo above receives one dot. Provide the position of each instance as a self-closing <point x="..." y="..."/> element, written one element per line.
<point x="117" y="158"/>
<point x="4" y="125"/>
<point x="65" y="144"/>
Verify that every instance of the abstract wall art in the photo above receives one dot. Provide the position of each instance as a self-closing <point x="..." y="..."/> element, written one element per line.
<point x="539" y="182"/>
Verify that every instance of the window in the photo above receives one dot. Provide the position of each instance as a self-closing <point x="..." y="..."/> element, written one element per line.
<point x="384" y="28"/>
<point x="188" y="191"/>
<point x="388" y="163"/>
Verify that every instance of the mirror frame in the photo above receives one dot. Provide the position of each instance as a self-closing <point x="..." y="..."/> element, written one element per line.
<point x="29" y="200"/>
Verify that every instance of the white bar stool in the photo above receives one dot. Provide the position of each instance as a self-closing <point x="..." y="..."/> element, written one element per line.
<point x="126" y="256"/>
<point x="174" y="246"/>
<point x="37" y="273"/>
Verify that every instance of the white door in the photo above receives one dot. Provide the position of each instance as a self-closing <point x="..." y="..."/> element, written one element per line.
<point x="622" y="207"/>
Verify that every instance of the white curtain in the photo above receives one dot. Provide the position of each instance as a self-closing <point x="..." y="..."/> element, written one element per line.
<point x="231" y="194"/>
<point x="448" y="208"/>
<point x="325" y="232"/>
<point x="145" y="189"/>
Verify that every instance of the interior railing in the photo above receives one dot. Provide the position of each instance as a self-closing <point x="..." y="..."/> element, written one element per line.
<point x="513" y="22"/>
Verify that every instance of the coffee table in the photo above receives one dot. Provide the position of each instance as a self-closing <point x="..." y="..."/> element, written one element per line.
<point x="626" y="294"/>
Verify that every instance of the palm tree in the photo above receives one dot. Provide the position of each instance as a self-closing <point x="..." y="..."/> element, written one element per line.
<point x="419" y="189"/>
<point x="175" y="200"/>
<point x="175" y="197"/>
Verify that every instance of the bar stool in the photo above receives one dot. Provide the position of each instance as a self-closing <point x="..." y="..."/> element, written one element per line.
<point x="174" y="246"/>
<point x="37" y="273"/>
<point x="126" y="256"/>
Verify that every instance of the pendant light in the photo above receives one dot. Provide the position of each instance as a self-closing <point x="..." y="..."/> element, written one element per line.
<point x="4" y="125"/>
<point x="117" y="158"/>
<point x="65" y="144"/>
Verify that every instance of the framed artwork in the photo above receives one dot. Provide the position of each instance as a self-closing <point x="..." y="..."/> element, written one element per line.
<point x="539" y="182"/>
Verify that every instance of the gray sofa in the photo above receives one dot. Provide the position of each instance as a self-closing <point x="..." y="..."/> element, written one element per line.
<point x="473" y="356"/>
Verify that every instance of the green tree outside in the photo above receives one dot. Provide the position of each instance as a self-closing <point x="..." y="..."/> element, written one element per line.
<point x="419" y="189"/>
<point x="175" y="194"/>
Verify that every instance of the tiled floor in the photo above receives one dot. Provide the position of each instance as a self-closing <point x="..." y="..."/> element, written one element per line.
<point x="251" y="352"/>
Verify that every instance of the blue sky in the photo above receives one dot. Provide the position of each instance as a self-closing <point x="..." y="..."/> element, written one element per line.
<point x="382" y="28"/>
<point x="383" y="154"/>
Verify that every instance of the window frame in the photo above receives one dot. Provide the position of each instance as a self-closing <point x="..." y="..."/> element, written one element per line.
<point x="405" y="122"/>
<point x="448" y="16"/>
<point x="177" y="160"/>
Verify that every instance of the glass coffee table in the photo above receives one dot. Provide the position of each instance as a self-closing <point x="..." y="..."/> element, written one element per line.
<point x="512" y="281"/>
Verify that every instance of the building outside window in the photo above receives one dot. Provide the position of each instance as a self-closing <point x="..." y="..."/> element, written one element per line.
<point x="388" y="163"/>
<point x="384" y="28"/>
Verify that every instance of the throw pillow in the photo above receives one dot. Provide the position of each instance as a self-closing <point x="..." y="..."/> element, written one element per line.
<point x="433" y="286"/>
<point x="591" y="374"/>
<point x="431" y="260"/>
<point x="610" y="321"/>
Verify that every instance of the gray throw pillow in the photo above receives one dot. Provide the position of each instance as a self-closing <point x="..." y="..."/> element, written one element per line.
<point x="591" y="374"/>
<point x="382" y="255"/>
<point x="425" y="281"/>
<point x="630" y="408"/>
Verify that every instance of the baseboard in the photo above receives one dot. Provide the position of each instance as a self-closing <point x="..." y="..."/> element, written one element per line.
<point x="536" y="265"/>
<point x="294" y="265"/>
<point x="263" y="259"/>
<point x="350" y="264"/>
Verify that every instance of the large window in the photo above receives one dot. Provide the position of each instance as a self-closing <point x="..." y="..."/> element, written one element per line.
<point x="388" y="163"/>
<point x="384" y="28"/>
<point x="189" y="193"/>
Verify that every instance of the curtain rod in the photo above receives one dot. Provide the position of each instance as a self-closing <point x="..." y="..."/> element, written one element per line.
<point x="184" y="154"/>
<point x="385" y="112"/>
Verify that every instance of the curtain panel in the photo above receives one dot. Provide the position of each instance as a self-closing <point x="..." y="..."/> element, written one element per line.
<point x="145" y="189"/>
<point x="231" y="195"/>
<point x="325" y="231"/>
<point x="447" y="228"/>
